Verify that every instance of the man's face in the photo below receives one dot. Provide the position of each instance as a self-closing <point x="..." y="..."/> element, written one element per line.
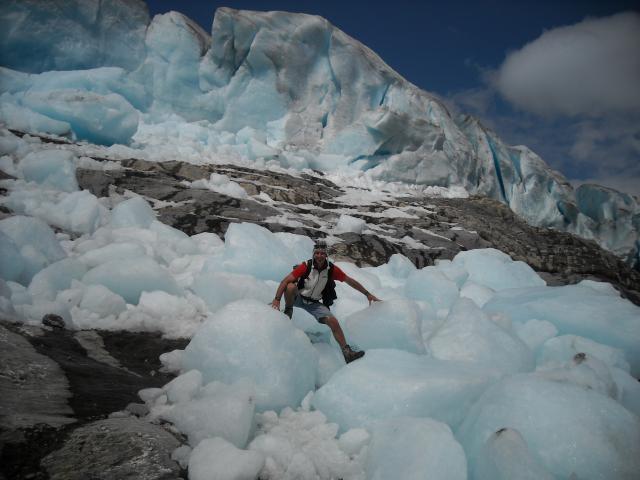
<point x="320" y="256"/>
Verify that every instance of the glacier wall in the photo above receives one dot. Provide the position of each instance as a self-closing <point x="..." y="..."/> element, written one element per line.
<point x="276" y="88"/>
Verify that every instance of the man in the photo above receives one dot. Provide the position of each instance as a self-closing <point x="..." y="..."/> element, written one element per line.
<point x="311" y="286"/>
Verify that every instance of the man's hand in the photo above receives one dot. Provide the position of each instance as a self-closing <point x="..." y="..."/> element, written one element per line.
<point x="275" y="304"/>
<point x="355" y="284"/>
<point x="372" y="298"/>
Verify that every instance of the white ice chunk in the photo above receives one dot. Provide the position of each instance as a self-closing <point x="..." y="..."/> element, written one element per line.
<point x="576" y="310"/>
<point x="172" y="361"/>
<point x="38" y="244"/>
<point x="249" y="339"/>
<point x="352" y="441"/>
<point x="430" y="285"/>
<point x="395" y="271"/>
<point x="56" y="277"/>
<point x="394" y="383"/>
<point x="51" y="168"/>
<point x="102" y="301"/>
<point x="347" y="223"/>
<point x="80" y="212"/>
<point x="414" y="448"/>
<point x="26" y="120"/>
<point x="134" y="212"/>
<point x="19" y="294"/>
<point x="478" y="293"/>
<point x="506" y="456"/>
<point x="388" y="324"/>
<point x="221" y="184"/>
<point x="220" y="288"/>
<point x="496" y="270"/>
<point x="299" y="245"/>
<point x="104" y="119"/>
<point x="570" y="430"/>
<point x="201" y="412"/>
<point x="113" y="251"/>
<point x="302" y="445"/>
<point x="181" y="455"/>
<point x="130" y="277"/>
<point x="11" y="262"/>
<point x="208" y="242"/>
<point x="468" y="335"/>
<point x="219" y="459"/>
<point x="535" y="332"/>
<point x="6" y="307"/>
<point x="183" y="387"/>
<point x="566" y="347"/>
<point x="453" y="271"/>
<point x="173" y="315"/>
<point x="254" y="250"/>
<point x="330" y="360"/>
<point x="628" y="390"/>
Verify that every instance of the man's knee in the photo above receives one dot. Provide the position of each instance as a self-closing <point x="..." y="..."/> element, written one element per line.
<point x="331" y="322"/>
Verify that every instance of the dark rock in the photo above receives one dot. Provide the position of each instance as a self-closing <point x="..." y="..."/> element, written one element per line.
<point x="54" y="321"/>
<point x="34" y="412"/>
<point x="115" y="448"/>
<point x="138" y="409"/>
<point x="51" y="384"/>
<point x="33" y="388"/>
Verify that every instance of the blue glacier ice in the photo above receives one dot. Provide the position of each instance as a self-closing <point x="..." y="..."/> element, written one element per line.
<point x="52" y="168"/>
<point x="394" y="383"/>
<point x="37" y="245"/>
<point x="392" y="324"/>
<point x="39" y="36"/>
<point x="550" y="416"/>
<point x="129" y="277"/>
<point x="506" y="456"/>
<point x="599" y="315"/>
<point x="243" y="341"/>
<point x="414" y="448"/>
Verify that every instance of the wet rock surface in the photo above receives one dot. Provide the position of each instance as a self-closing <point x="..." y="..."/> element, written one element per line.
<point x="51" y="385"/>
<point x="122" y="448"/>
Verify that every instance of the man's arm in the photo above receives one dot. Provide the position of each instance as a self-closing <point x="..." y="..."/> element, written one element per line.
<point x="281" y="288"/>
<point x="355" y="284"/>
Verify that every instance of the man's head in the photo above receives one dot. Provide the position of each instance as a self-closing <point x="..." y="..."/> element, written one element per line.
<point x="320" y="252"/>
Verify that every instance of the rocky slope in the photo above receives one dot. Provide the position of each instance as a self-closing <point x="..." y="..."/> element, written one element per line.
<point x="441" y="227"/>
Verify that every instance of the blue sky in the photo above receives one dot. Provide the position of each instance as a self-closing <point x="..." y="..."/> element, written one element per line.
<point x="562" y="77"/>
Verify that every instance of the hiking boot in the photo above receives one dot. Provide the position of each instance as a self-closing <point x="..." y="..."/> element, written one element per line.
<point x="351" y="355"/>
<point x="288" y="311"/>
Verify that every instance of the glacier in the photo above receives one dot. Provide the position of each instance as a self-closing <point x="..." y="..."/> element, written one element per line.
<point x="271" y="88"/>
<point x="475" y="367"/>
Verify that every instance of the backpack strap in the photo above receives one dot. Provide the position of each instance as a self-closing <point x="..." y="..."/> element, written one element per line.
<point x="306" y="274"/>
<point x="329" y="291"/>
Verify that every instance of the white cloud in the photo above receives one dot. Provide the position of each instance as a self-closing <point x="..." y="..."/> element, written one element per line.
<point x="590" y="68"/>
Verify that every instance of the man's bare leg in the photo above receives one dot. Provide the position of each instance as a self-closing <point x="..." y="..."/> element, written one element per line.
<point x="338" y="334"/>
<point x="289" y="297"/>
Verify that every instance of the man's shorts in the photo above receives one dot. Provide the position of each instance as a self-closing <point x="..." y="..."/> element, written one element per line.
<point x="317" y="309"/>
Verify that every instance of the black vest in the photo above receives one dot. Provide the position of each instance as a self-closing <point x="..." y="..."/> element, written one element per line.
<point x="329" y="290"/>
